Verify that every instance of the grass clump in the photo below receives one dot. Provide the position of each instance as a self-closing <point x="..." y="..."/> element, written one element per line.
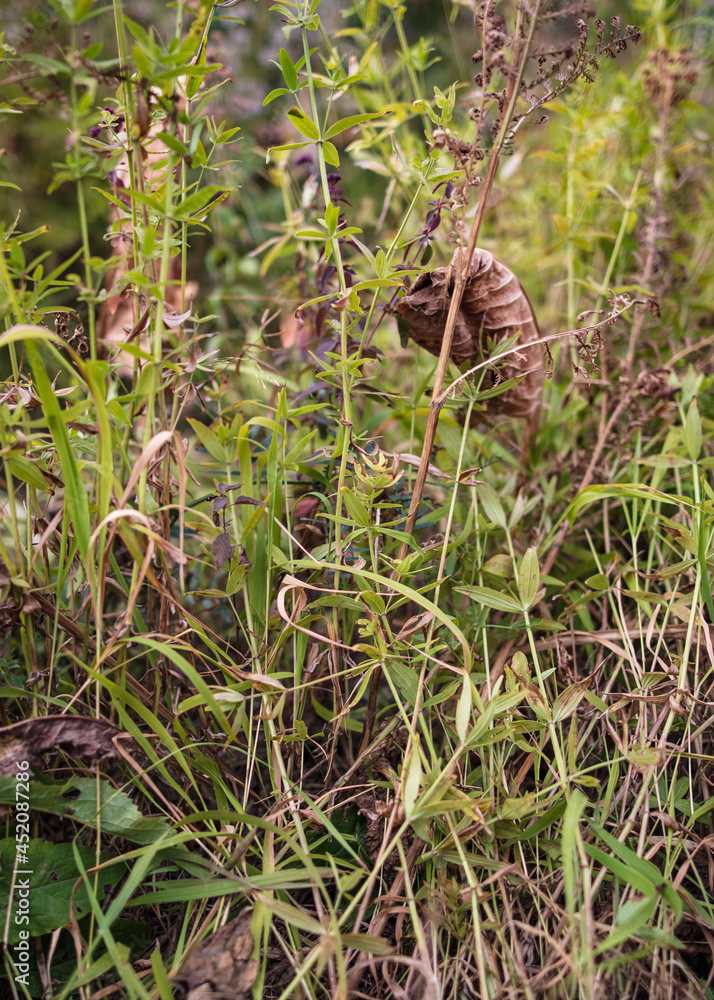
<point x="325" y="681"/>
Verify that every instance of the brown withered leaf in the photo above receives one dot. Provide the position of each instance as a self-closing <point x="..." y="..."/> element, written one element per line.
<point x="222" y="549"/>
<point x="220" y="968"/>
<point x="494" y="306"/>
<point x="90" y="739"/>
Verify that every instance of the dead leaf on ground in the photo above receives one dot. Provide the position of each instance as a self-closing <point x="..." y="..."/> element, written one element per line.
<point x="221" y="967"/>
<point x="495" y="306"/>
<point x="90" y="739"/>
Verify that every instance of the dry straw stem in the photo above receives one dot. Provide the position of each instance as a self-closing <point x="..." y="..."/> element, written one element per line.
<point x="464" y="271"/>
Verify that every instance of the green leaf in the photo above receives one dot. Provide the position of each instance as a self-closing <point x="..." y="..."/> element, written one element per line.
<point x="96" y="372"/>
<point x="362" y="286"/>
<point x="623" y="871"/>
<point x="210" y="440"/>
<point x="201" y="202"/>
<point x="302" y="123"/>
<point x="367" y="942"/>
<point x="693" y="431"/>
<point x="634" y="491"/>
<point x="284" y="148"/>
<point x="406" y="679"/>
<point x="412" y="778"/>
<point x="631" y="916"/>
<point x="227" y="135"/>
<point x="463" y="710"/>
<point x="278" y="92"/>
<point x="490" y="598"/>
<point x="345" y="123"/>
<point x="644" y="869"/>
<point x="75" y="493"/>
<point x="491" y="505"/>
<point x="289" y="71"/>
<point x="22" y="468"/>
<point x="331" y="155"/>
<point x="76" y="799"/>
<point x="52" y="883"/>
<point x="332" y="218"/>
<point x="172" y="142"/>
<point x="568" y="700"/>
<point x="138" y="196"/>
<point x="529" y="578"/>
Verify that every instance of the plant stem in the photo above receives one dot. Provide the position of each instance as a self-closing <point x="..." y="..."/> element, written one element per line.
<point x="461" y="275"/>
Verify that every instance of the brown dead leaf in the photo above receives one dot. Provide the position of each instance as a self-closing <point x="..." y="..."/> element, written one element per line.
<point x="494" y="306"/>
<point x="221" y="967"/>
<point x="222" y="549"/>
<point x="90" y="739"/>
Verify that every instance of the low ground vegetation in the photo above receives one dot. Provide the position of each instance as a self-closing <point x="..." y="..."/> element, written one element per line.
<point x="356" y="612"/>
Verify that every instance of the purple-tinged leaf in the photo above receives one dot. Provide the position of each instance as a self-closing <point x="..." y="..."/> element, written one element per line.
<point x="222" y="549"/>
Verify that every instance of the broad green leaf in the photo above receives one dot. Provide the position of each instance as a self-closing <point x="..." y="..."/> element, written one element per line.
<point x="289" y="71"/>
<point x="292" y="915"/>
<point x="210" y="440"/>
<point x="201" y="202"/>
<point x="491" y="505"/>
<point x="278" y="92"/>
<point x="331" y="155"/>
<point x="693" y="431"/>
<point x="406" y="679"/>
<point x="345" y="123"/>
<point x="76" y="799"/>
<point x="172" y="142"/>
<point x="22" y="468"/>
<point x="490" y="598"/>
<point x="136" y="196"/>
<point x="529" y="577"/>
<point x="205" y="888"/>
<point x="517" y="807"/>
<point x="644" y="870"/>
<point x="52" y="883"/>
<point x="302" y="123"/>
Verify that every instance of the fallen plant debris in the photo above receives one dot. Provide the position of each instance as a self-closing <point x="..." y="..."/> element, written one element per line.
<point x="90" y="740"/>
<point x="494" y="308"/>
<point x="221" y="967"/>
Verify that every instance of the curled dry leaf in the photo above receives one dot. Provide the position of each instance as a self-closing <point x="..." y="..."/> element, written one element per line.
<point x="90" y="739"/>
<point x="221" y="967"/>
<point x="495" y="306"/>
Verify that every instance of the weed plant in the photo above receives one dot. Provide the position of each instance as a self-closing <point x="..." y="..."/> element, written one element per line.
<point x="330" y="644"/>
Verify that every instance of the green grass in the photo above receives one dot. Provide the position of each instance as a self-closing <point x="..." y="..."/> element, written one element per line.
<point x="465" y="755"/>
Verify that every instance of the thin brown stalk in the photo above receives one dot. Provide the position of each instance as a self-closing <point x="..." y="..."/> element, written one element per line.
<point x="461" y="275"/>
